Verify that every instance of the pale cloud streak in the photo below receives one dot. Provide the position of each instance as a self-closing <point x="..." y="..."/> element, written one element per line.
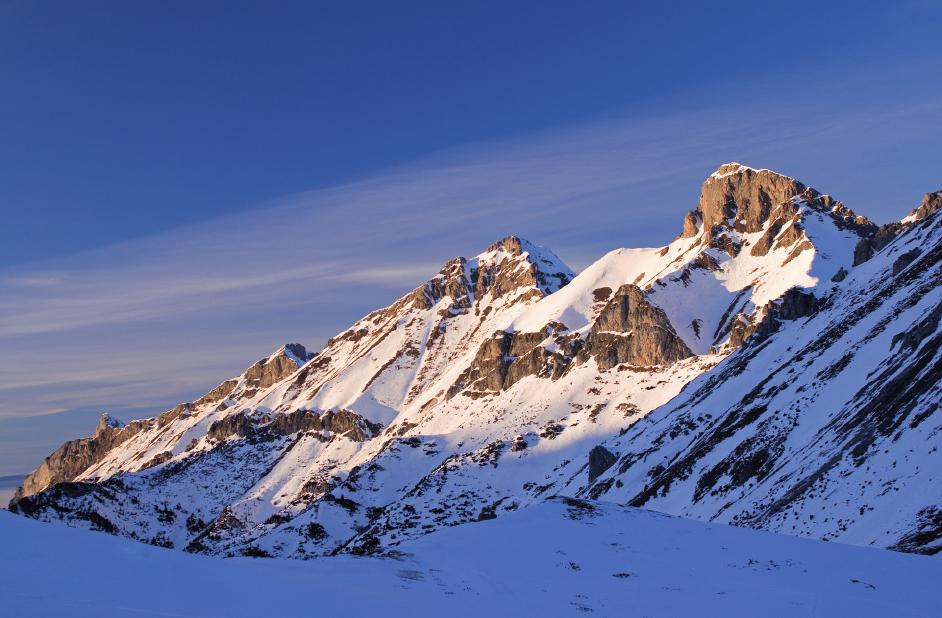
<point x="580" y="191"/>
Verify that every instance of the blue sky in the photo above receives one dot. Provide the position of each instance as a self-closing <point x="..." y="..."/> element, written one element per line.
<point x="185" y="188"/>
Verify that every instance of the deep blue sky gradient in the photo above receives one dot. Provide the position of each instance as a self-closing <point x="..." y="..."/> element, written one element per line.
<point x="121" y="119"/>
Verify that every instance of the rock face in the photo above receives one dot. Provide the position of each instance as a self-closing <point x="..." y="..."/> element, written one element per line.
<point x="903" y="261"/>
<point x="743" y="195"/>
<point x="748" y="201"/>
<point x="883" y="236"/>
<point x="749" y="224"/>
<point x="505" y="379"/>
<point x="793" y="305"/>
<point x="692" y="221"/>
<point x="628" y="330"/>
<point x="631" y="330"/>
<point x="508" y="357"/>
<point x="931" y="202"/>
<point x="342" y="422"/>
<point x="276" y="368"/>
<point x="600" y="460"/>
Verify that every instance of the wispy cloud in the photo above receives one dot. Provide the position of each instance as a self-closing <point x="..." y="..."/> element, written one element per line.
<point x="400" y="275"/>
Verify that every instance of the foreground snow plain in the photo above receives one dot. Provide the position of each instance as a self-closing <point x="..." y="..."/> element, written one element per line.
<point x="562" y="557"/>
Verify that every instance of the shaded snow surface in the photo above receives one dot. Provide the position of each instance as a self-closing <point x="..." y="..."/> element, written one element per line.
<point x="558" y="558"/>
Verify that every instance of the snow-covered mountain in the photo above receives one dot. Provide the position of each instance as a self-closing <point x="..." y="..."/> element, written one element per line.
<point x="824" y="426"/>
<point x="505" y="379"/>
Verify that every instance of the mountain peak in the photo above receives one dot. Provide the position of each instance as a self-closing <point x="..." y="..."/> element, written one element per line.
<point x="105" y="422"/>
<point x="545" y="271"/>
<point x="744" y="196"/>
<point x="747" y="199"/>
<point x="733" y="167"/>
<point x="512" y="263"/>
<point x="511" y="244"/>
<point x="295" y="352"/>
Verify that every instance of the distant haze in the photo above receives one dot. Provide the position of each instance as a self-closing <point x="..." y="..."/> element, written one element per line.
<point x="8" y="485"/>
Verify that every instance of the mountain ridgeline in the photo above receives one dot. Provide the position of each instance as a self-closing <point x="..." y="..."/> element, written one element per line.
<point x="775" y="366"/>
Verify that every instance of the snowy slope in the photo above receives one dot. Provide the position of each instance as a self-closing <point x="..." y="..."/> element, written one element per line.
<point x="826" y="428"/>
<point x="483" y="391"/>
<point x="558" y="558"/>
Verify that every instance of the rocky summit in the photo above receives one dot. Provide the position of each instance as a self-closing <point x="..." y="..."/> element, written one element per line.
<point x="775" y="366"/>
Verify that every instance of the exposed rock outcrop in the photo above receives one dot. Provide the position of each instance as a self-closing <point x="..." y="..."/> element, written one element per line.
<point x="631" y="330"/>
<point x="692" y="222"/>
<point x="931" y="202"/>
<point x="600" y="460"/>
<point x="500" y="276"/>
<point x="903" y="261"/>
<point x="794" y="304"/>
<point x="743" y="196"/>
<point x="276" y="368"/>
<point x="506" y="358"/>
<point x="509" y="265"/>
<point x="880" y="238"/>
<point x="746" y="200"/>
<point x="341" y="422"/>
